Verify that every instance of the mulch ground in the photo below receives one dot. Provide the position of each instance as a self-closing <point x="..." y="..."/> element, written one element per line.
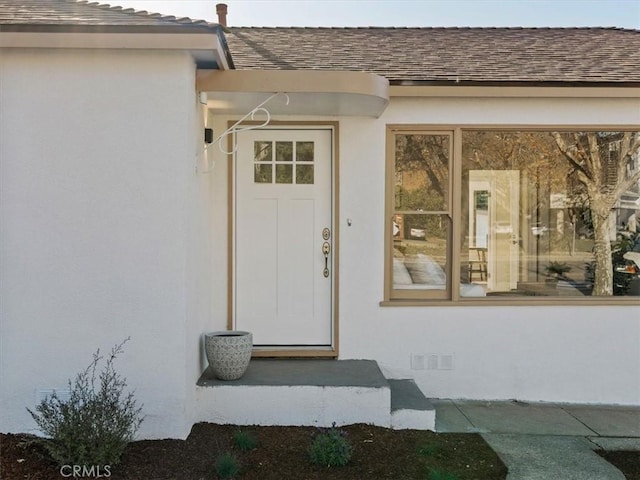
<point x="282" y="453"/>
<point x="627" y="462"/>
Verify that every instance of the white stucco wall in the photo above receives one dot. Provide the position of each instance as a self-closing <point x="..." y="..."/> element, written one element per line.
<point x="567" y="354"/>
<point x="99" y="208"/>
<point x="107" y="231"/>
<point x="200" y="266"/>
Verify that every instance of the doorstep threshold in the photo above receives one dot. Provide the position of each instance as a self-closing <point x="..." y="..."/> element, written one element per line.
<point x="293" y="351"/>
<point x="304" y="372"/>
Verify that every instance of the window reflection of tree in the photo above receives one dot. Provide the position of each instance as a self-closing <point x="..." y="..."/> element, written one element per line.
<point x="591" y="170"/>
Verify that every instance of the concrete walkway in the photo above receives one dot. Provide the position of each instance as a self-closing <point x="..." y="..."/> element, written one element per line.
<point x="540" y="441"/>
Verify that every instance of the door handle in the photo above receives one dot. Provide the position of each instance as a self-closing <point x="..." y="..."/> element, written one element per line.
<point x="326" y="249"/>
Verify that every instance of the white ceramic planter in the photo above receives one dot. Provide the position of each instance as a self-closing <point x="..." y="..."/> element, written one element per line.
<point x="228" y="353"/>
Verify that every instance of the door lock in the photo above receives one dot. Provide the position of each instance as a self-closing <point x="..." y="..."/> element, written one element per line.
<point x="326" y="249"/>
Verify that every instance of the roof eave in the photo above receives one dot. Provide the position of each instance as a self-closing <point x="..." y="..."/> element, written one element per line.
<point x="515" y="83"/>
<point x="517" y="90"/>
<point x="206" y="42"/>
<point x="109" y="28"/>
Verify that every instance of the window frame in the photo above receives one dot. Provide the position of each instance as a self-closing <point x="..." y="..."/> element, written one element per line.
<point x="412" y="294"/>
<point x="417" y="297"/>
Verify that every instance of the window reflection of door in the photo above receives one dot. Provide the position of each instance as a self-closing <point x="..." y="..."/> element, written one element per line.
<point x="496" y="226"/>
<point x="478" y="231"/>
<point x="479" y="220"/>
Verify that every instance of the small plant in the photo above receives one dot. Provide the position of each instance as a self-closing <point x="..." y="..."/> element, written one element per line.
<point x="245" y="440"/>
<point x="95" y="425"/>
<point x="227" y="466"/>
<point x="330" y="447"/>
<point x="557" y="269"/>
<point x="440" y="475"/>
<point x="428" y="450"/>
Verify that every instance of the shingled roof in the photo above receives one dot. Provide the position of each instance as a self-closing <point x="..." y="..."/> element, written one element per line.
<point x="72" y="15"/>
<point x="448" y="55"/>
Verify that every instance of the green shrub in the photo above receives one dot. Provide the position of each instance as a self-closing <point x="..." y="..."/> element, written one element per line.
<point x="428" y="450"/>
<point x="95" y="425"/>
<point x="245" y="440"/>
<point x="439" y="475"/>
<point x="330" y="447"/>
<point x="227" y="466"/>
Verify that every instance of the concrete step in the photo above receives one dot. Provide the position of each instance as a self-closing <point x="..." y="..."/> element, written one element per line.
<point x="410" y="409"/>
<point x="297" y="392"/>
<point x="316" y="392"/>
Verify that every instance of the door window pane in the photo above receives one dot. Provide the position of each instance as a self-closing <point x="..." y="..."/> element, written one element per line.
<point x="262" y="173"/>
<point x="262" y="151"/>
<point x="304" y="174"/>
<point x="263" y="155"/>
<point x="285" y="163"/>
<point x="284" y="173"/>
<point x="284" y="151"/>
<point x="304" y="151"/>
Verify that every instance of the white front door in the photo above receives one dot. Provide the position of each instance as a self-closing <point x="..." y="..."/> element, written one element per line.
<point x="284" y="237"/>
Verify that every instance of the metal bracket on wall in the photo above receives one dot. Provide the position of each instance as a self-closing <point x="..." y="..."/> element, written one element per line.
<point x="236" y="128"/>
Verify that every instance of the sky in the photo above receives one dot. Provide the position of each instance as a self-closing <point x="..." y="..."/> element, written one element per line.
<point x="404" y="13"/>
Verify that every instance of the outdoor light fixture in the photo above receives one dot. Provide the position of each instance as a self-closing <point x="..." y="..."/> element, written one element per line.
<point x="208" y="135"/>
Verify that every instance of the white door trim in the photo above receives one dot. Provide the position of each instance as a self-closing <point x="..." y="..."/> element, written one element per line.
<point x="332" y="348"/>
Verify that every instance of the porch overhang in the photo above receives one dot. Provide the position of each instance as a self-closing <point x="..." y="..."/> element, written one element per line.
<point x="310" y="92"/>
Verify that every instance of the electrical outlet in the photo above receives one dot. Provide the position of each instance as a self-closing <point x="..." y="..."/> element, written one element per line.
<point x="417" y="361"/>
<point x="446" y="362"/>
<point x="432" y="362"/>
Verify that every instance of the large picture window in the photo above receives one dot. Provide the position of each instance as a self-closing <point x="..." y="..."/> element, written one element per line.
<point x="505" y="214"/>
